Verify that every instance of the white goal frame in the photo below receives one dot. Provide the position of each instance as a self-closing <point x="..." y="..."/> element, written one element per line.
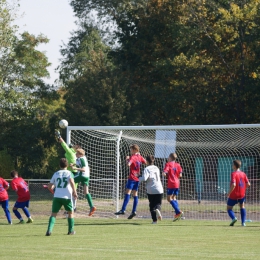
<point x="193" y="212"/>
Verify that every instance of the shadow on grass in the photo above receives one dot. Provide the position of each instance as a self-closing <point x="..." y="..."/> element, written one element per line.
<point x="107" y="224"/>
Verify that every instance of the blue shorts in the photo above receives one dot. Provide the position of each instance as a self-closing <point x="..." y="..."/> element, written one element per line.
<point x="132" y="185"/>
<point x="173" y="191"/>
<point x="232" y="203"/>
<point x="5" y="204"/>
<point x="21" y="205"/>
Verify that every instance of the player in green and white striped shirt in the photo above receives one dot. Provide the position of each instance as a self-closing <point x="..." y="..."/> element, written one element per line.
<point x="82" y="177"/>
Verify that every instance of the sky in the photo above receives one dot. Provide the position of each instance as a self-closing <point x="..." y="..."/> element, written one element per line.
<point x="52" y="18"/>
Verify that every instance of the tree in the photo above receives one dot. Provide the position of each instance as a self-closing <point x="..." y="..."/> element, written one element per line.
<point x="27" y="109"/>
<point x="185" y="62"/>
<point x="95" y="92"/>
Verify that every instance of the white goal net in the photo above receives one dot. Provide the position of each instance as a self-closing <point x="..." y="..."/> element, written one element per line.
<point x="205" y="153"/>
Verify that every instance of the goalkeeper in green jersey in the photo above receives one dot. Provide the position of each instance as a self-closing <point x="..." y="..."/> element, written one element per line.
<point x="82" y="176"/>
<point x="70" y="155"/>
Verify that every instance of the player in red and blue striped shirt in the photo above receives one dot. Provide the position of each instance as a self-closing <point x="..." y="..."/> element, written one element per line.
<point x="134" y="162"/>
<point x="4" y="199"/>
<point x="238" y="185"/>
<point x="173" y="173"/>
<point x="19" y="185"/>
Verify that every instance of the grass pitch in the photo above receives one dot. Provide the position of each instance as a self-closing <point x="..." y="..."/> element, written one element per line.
<point x="130" y="239"/>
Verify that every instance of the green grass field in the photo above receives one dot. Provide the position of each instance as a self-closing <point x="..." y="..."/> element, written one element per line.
<point x="130" y="239"/>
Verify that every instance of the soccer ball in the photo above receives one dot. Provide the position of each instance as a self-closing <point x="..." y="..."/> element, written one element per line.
<point x="63" y="123"/>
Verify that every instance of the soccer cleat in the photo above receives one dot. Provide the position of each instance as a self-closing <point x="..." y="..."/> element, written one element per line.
<point x="75" y="209"/>
<point x="120" y="212"/>
<point x="178" y="216"/>
<point x="72" y="233"/>
<point x="154" y="222"/>
<point x="243" y="225"/>
<point x="158" y="214"/>
<point x="21" y="222"/>
<point x="133" y="214"/>
<point x="233" y="222"/>
<point x="92" y="210"/>
<point x="30" y="220"/>
<point x="48" y="233"/>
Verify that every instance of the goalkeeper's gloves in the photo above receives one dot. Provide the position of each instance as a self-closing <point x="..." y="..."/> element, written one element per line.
<point x="57" y="133"/>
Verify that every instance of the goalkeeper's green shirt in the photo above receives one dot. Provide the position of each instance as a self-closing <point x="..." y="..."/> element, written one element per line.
<point x="70" y="155"/>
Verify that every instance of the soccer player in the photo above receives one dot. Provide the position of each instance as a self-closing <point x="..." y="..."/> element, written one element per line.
<point x="4" y="199"/>
<point x="19" y="185"/>
<point x="82" y="177"/>
<point x="154" y="188"/>
<point x="173" y="173"/>
<point x="134" y="162"/>
<point x="70" y="155"/>
<point x="65" y="189"/>
<point x="238" y="185"/>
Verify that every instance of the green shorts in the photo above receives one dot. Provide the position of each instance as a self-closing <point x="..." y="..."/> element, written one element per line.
<point x="81" y="179"/>
<point x="57" y="203"/>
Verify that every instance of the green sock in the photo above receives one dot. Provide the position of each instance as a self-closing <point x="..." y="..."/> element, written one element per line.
<point x="89" y="199"/>
<point x="71" y="224"/>
<point x="51" y="223"/>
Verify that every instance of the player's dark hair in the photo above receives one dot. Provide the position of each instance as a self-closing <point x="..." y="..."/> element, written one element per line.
<point x="150" y="159"/>
<point x="14" y="173"/>
<point x="173" y="156"/>
<point x="135" y="147"/>
<point x="237" y="163"/>
<point x="63" y="163"/>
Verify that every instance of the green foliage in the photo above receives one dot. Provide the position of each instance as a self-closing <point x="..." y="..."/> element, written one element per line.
<point x="95" y="92"/>
<point x="29" y="108"/>
<point x="6" y="165"/>
<point x="184" y="62"/>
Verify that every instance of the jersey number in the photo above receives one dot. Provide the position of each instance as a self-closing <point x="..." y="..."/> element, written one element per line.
<point x="24" y="186"/>
<point x="62" y="183"/>
<point x="241" y="184"/>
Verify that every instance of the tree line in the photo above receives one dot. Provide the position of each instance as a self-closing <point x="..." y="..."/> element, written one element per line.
<point x="143" y="62"/>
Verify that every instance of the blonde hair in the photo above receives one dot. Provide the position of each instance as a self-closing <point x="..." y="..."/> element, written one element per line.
<point x="81" y="151"/>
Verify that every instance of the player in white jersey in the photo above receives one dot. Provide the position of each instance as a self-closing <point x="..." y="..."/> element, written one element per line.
<point x="82" y="176"/>
<point x="65" y="190"/>
<point x="154" y="188"/>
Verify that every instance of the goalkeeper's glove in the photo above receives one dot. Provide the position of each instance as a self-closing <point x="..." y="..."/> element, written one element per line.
<point x="57" y="133"/>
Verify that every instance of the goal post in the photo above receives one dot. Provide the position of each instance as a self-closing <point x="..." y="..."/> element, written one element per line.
<point x="205" y="153"/>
